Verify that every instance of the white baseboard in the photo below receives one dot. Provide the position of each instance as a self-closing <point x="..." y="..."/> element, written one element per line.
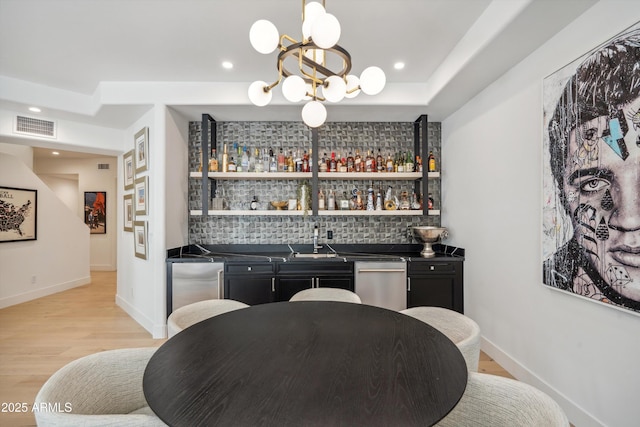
<point x="577" y="416"/>
<point x="42" y="292"/>
<point x="156" y="331"/>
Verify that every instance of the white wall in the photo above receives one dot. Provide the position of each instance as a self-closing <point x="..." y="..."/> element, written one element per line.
<point x="584" y="354"/>
<point x="57" y="260"/>
<point x="142" y="282"/>
<point x="66" y="188"/>
<point x="90" y="178"/>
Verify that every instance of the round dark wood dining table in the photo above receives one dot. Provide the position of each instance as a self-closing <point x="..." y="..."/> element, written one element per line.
<point x="306" y="363"/>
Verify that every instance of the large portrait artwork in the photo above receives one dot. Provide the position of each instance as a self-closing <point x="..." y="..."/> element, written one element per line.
<point x="591" y="176"/>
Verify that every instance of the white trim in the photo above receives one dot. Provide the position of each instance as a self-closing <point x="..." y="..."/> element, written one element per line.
<point x="42" y="292"/>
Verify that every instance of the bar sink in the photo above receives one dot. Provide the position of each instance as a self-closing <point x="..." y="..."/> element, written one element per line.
<point x="315" y="256"/>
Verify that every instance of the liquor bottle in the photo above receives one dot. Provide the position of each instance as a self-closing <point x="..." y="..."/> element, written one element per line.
<point x="258" y="162"/>
<point x="351" y="167"/>
<point x="322" y="163"/>
<point x="418" y="164"/>
<point x="343" y="166"/>
<point x="370" y="202"/>
<point x="291" y="166"/>
<point x="331" y="201"/>
<point x="358" y="162"/>
<point x="282" y="165"/>
<point x="245" y="159"/>
<point x="380" y="164"/>
<point x="321" y="201"/>
<point x="265" y="160"/>
<point x="254" y="204"/>
<point x="430" y="201"/>
<point x="298" y="161"/>
<point x="344" y="202"/>
<point x="253" y="156"/>
<point x="225" y="159"/>
<point x="232" y="165"/>
<point x="213" y="161"/>
<point x="368" y="162"/>
<point x="431" y="162"/>
<point x="273" y="163"/>
<point x="338" y="162"/>
<point x="390" y="167"/>
<point x="400" y="162"/>
<point x="409" y="165"/>
<point x="305" y="162"/>
<point x="379" y="199"/>
<point x="333" y="165"/>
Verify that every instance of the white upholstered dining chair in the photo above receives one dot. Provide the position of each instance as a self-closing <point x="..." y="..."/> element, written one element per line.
<point x="326" y="294"/>
<point x="461" y="329"/>
<point x="101" y="389"/>
<point x="493" y="401"/>
<point x="191" y="314"/>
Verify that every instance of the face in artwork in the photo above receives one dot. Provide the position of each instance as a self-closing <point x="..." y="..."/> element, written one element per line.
<point x="602" y="189"/>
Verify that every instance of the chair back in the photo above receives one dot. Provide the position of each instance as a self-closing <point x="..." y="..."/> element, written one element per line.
<point x="191" y="314"/>
<point x="326" y="294"/>
<point x="97" y="390"/>
<point x="461" y="329"/>
<point x="493" y="401"/>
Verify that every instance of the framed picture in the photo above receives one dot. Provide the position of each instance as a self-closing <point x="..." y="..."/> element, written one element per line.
<point x="128" y="212"/>
<point x="142" y="150"/>
<point x="128" y="169"/>
<point x="140" y="238"/>
<point x="591" y="164"/>
<point x="141" y="196"/>
<point x="18" y="214"/>
<point x="95" y="211"/>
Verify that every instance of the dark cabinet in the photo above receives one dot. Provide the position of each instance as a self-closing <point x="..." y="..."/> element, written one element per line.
<point x="436" y="283"/>
<point x="250" y="283"/>
<point x="293" y="277"/>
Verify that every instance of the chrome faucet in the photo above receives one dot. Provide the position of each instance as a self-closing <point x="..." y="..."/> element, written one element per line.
<point x="316" y="246"/>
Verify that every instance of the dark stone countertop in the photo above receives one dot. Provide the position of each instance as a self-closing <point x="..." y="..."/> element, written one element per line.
<point x="285" y="253"/>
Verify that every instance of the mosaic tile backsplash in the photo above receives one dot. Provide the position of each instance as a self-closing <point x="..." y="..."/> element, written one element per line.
<point x="389" y="137"/>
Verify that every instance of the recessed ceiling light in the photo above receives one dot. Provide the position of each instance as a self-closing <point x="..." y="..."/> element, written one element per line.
<point x="227" y="65"/>
<point x="55" y="153"/>
<point x="398" y="65"/>
<point x="34" y="109"/>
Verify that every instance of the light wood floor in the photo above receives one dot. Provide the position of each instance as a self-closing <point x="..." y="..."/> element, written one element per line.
<point x="39" y="337"/>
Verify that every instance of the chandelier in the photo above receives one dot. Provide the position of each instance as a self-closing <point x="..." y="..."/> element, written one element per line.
<point x="322" y="67"/>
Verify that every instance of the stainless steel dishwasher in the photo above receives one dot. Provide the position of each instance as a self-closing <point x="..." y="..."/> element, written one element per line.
<point x="382" y="283"/>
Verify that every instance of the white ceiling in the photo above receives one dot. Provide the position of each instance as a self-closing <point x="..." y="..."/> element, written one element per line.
<point x="452" y="50"/>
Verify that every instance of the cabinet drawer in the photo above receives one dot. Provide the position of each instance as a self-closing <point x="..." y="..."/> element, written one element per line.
<point x="315" y="267"/>
<point x="428" y="267"/>
<point x="249" y="268"/>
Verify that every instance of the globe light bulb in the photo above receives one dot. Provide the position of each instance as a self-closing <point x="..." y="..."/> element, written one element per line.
<point x="353" y="82"/>
<point x="372" y="80"/>
<point x="325" y="31"/>
<point x="264" y="36"/>
<point x="257" y="95"/>
<point x="335" y="89"/>
<point x="314" y="114"/>
<point x="294" y="88"/>
<point x="312" y="11"/>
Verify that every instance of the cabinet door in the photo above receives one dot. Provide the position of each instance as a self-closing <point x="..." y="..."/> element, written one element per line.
<point x="437" y="291"/>
<point x="289" y="286"/>
<point x="249" y="290"/>
<point x="342" y="282"/>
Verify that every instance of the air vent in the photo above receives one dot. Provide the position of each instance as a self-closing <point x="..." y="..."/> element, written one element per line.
<point x="35" y="127"/>
<point x="103" y="165"/>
